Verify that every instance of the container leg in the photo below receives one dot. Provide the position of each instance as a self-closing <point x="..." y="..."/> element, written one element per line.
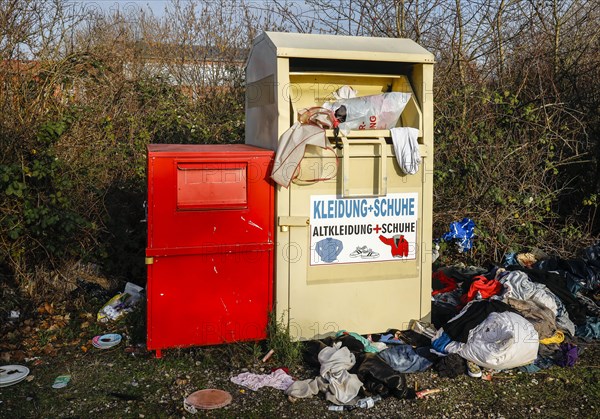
<point x="158" y="354"/>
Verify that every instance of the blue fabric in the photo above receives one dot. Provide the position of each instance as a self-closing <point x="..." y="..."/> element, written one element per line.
<point x="462" y="231"/>
<point x="544" y="362"/>
<point x="390" y="339"/>
<point x="531" y="368"/>
<point x="404" y="359"/>
<point x="440" y="343"/>
<point x="589" y="330"/>
<point x="329" y="249"/>
<point x="509" y="259"/>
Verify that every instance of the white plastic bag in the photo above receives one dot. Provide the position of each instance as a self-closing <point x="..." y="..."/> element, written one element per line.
<point x="371" y="112"/>
<point x="502" y="341"/>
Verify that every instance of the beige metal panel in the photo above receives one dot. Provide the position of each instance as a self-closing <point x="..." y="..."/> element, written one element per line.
<point x="363" y="297"/>
<point x="369" y="297"/>
<point x="346" y="47"/>
<point x="426" y="89"/>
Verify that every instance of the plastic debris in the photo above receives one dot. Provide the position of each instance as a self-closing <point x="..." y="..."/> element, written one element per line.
<point x="120" y="304"/>
<point x="12" y="374"/>
<point x="368" y="402"/>
<point x="338" y="408"/>
<point x="106" y="341"/>
<point x="61" y="381"/>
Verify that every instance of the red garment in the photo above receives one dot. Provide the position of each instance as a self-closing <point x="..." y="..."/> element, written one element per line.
<point x="450" y="283"/>
<point x="398" y="244"/>
<point x="485" y="287"/>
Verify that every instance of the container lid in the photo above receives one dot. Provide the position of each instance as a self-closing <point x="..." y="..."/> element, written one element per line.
<point x="12" y="374"/>
<point x="302" y="45"/>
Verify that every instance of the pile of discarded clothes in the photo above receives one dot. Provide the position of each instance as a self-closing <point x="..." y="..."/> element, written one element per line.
<point x="527" y="313"/>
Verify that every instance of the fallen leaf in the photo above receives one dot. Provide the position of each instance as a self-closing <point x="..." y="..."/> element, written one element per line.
<point x="181" y="381"/>
<point x="84" y="348"/>
<point x="49" y="308"/>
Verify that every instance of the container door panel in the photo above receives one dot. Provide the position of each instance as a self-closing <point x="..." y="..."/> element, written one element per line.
<point x="204" y="202"/>
<point x="368" y="294"/>
<point x="209" y="299"/>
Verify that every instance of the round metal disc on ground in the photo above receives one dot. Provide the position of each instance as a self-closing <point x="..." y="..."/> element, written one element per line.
<point x="209" y="399"/>
<point x="12" y="374"/>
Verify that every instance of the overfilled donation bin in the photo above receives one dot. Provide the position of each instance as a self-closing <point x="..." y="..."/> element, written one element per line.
<point x="210" y="244"/>
<point x="351" y="121"/>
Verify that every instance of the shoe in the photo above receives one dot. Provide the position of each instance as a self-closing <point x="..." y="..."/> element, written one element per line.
<point x="359" y="251"/>
<point x="473" y="370"/>
<point x="369" y="254"/>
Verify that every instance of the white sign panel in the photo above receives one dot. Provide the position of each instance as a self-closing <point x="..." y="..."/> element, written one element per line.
<point x="356" y="230"/>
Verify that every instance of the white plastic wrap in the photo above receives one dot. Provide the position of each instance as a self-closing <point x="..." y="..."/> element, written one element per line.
<point x="502" y="341"/>
<point x="371" y="112"/>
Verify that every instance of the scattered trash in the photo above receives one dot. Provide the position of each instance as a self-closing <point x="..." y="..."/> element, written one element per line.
<point x="14" y="315"/>
<point x="462" y="233"/>
<point x="368" y="402"/>
<point x="139" y="349"/>
<point x="337" y="408"/>
<point x="120" y="304"/>
<point x="106" y="341"/>
<point x="12" y="374"/>
<point x="268" y="355"/>
<point x="278" y="379"/>
<point x="61" y="381"/>
<point x="206" y="399"/>
<point x="487" y="375"/>
<point x="424" y="393"/>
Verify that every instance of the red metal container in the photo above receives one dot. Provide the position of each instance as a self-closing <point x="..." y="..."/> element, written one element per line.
<point x="210" y="244"/>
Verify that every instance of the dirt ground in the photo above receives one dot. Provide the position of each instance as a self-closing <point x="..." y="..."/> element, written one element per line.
<point x="118" y="384"/>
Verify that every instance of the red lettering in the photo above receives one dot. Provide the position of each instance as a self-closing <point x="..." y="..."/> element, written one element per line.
<point x="373" y="122"/>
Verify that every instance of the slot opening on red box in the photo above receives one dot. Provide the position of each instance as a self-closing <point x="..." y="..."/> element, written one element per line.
<point x="211" y="185"/>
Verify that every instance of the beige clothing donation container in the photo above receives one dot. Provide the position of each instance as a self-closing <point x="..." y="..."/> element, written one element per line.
<point x="353" y="234"/>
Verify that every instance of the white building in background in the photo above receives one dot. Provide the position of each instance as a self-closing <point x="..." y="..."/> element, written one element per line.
<point x="194" y="69"/>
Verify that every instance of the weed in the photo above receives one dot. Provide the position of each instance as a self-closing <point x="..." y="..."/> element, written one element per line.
<point x="287" y="351"/>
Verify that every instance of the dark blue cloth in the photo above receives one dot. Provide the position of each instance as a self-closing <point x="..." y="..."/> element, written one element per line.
<point x="589" y="330"/>
<point x="462" y="231"/>
<point x="440" y="343"/>
<point x="403" y="358"/>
